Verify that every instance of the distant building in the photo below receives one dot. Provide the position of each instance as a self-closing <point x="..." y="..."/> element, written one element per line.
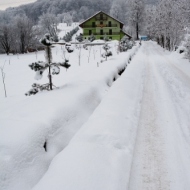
<point x="101" y="25"/>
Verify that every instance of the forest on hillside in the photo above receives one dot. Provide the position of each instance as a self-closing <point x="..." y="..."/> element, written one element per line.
<point x="79" y="10"/>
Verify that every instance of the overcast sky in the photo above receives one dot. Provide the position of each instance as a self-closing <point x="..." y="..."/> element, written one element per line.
<point x="13" y="3"/>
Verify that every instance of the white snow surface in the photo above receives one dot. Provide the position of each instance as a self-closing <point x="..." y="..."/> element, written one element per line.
<point x="50" y="119"/>
<point x="139" y="135"/>
<point x="129" y="134"/>
<point x="100" y="154"/>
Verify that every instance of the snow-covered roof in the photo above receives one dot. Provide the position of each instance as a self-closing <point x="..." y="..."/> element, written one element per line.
<point x="103" y="13"/>
<point x="126" y="34"/>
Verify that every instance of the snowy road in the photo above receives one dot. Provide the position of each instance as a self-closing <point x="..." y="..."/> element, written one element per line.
<point x="161" y="159"/>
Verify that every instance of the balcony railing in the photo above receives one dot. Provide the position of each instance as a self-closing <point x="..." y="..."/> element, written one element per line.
<point x="100" y="34"/>
<point x="101" y="18"/>
<point x="100" y="25"/>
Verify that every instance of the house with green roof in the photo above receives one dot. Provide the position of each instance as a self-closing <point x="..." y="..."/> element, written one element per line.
<point x="101" y="25"/>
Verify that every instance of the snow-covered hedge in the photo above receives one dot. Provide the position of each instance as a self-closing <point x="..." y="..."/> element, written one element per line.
<point x="100" y="154"/>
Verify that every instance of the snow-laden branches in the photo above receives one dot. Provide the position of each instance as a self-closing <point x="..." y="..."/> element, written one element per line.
<point x="40" y="66"/>
<point x="166" y="22"/>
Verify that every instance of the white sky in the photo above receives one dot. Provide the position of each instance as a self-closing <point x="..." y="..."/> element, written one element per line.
<point x="13" y="3"/>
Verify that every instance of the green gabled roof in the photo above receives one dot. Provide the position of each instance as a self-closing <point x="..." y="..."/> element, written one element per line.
<point x="103" y="13"/>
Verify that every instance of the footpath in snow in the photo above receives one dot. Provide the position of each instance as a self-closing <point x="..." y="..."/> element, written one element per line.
<point x="139" y="135"/>
<point x="33" y="130"/>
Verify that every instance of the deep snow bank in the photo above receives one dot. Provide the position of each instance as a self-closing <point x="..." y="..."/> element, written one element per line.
<point x="100" y="154"/>
<point x="33" y="131"/>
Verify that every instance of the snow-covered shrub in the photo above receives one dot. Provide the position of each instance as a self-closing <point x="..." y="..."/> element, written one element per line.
<point x="79" y="37"/>
<point x="91" y="38"/>
<point x="52" y="67"/>
<point x="106" y="38"/>
<point x="126" y="44"/>
<point x="69" y="48"/>
<point x="107" y="52"/>
<point x="69" y="35"/>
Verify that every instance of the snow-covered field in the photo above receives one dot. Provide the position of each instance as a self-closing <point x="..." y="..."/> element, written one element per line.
<point x="35" y="129"/>
<point x="98" y="130"/>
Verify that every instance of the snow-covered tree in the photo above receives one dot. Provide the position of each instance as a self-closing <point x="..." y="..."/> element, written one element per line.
<point x="166" y="23"/>
<point x="49" y="23"/>
<point x="68" y="19"/>
<point x="91" y="38"/>
<point x="69" y="35"/>
<point x="107" y="52"/>
<point x="136" y="14"/>
<point x="40" y="67"/>
<point x="126" y="44"/>
<point x="79" y="37"/>
<point x="23" y="33"/>
<point x="6" y="37"/>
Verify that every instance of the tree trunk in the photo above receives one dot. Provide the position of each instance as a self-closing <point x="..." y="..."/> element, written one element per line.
<point x="137" y="30"/>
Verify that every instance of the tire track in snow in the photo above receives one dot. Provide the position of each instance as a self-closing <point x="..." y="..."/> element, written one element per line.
<point x="162" y="157"/>
<point x="149" y="169"/>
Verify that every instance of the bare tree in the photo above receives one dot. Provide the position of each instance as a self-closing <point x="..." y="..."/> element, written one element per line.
<point x="136" y="14"/>
<point x="6" y="38"/>
<point x="23" y="33"/>
<point x="166" y="23"/>
<point x="49" y="23"/>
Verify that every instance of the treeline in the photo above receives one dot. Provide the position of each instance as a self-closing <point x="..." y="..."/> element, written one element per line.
<point x="79" y="10"/>
<point x="167" y="22"/>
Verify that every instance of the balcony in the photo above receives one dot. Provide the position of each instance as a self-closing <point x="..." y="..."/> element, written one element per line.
<point x="106" y="25"/>
<point x="101" y="18"/>
<point x="99" y="34"/>
<point x="113" y="33"/>
<point x="100" y="26"/>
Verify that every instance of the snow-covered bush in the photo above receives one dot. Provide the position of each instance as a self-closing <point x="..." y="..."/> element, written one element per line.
<point x="91" y="38"/>
<point x="106" y="38"/>
<point x="69" y="48"/>
<point x="52" y="67"/>
<point x="79" y="37"/>
<point x="107" y="52"/>
<point x="69" y="35"/>
<point x="126" y="44"/>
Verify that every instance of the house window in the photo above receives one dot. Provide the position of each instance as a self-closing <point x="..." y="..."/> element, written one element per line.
<point x="101" y="32"/>
<point x="90" y="32"/>
<point x="93" y="24"/>
<point x="101" y="22"/>
<point x="109" y="23"/>
<point x="110" y="31"/>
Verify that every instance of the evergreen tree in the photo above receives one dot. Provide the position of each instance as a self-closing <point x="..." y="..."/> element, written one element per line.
<point x="107" y="52"/>
<point x="69" y="35"/>
<point x="79" y="37"/>
<point x="91" y="38"/>
<point x="40" y="67"/>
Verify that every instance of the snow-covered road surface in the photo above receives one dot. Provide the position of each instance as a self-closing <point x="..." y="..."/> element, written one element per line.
<point x="161" y="158"/>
